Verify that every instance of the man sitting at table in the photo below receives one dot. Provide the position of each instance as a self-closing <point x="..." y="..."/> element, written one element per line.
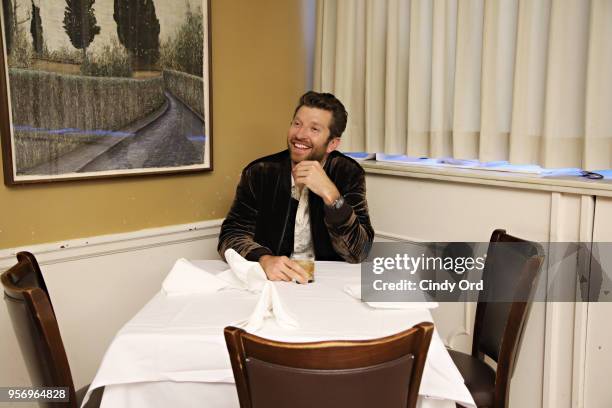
<point x="307" y="200"/>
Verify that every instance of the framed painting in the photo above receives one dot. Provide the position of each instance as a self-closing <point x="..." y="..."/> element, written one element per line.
<point x="106" y="88"/>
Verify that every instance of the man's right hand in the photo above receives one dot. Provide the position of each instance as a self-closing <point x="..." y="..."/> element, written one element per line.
<point x="281" y="268"/>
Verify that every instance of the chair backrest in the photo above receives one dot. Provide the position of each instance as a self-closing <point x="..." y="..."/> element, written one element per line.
<point x="384" y="372"/>
<point x="36" y="328"/>
<point x="511" y="271"/>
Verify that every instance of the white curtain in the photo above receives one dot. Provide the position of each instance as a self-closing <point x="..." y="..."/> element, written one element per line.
<point x="529" y="81"/>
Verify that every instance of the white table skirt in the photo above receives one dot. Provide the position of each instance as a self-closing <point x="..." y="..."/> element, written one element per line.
<point x="174" y="350"/>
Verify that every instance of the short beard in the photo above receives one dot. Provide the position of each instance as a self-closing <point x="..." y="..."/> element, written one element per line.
<point x="315" y="154"/>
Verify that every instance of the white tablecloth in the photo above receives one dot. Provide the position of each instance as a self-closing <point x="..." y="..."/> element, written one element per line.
<point x="173" y="353"/>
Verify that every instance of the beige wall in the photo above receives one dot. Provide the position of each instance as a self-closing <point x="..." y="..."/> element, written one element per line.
<point x="259" y="64"/>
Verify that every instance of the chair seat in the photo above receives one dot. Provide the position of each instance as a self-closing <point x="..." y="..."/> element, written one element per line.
<point x="479" y="377"/>
<point x="94" y="400"/>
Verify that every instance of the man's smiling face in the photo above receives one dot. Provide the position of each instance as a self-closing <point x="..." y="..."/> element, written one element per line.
<point x="308" y="136"/>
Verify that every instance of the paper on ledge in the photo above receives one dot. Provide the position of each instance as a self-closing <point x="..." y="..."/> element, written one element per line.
<point x="355" y="292"/>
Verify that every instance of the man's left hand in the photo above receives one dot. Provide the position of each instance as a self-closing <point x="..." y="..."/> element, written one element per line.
<point x="311" y="174"/>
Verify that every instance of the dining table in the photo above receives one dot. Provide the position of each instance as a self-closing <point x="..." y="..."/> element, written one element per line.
<point x="172" y="353"/>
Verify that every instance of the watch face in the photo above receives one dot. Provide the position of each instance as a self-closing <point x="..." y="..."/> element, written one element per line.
<point x="338" y="203"/>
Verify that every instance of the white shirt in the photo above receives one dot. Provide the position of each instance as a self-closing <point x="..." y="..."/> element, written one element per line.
<point x="302" y="238"/>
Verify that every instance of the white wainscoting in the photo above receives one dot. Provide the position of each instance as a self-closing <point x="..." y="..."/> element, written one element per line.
<point x="97" y="284"/>
<point x="550" y="370"/>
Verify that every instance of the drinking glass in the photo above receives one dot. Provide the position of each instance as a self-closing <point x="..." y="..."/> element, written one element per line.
<point x="307" y="262"/>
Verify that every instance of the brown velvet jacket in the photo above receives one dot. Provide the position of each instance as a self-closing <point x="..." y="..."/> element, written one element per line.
<point x="263" y="212"/>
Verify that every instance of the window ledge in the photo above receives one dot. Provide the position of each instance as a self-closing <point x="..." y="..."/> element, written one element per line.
<point x="574" y="185"/>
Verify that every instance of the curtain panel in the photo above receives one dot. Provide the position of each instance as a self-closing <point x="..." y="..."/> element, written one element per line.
<point x="528" y="81"/>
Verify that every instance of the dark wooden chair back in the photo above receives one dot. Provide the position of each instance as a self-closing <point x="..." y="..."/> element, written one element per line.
<point x="511" y="267"/>
<point x="36" y="327"/>
<point x="384" y="372"/>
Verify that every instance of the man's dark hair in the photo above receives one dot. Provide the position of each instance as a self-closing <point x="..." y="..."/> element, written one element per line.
<point x="328" y="102"/>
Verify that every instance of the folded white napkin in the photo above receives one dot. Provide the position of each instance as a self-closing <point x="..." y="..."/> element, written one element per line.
<point x="187" y="279"/>
<point x="268" y="306"/>
<point x="250" y="274"/>
<point x="355" y="291"/>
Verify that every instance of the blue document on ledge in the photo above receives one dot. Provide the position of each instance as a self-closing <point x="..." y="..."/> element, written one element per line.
<point x="500" y="165"/>
<point x="360" y="155"/>
<point x="403" y="159"/>
<point x="569" y="172"/>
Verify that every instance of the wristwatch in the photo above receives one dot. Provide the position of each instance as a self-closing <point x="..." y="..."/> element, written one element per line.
<point x="337" y="204"/>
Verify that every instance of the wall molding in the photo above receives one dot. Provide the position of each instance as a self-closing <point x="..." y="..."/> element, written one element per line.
<point x="581" y="310"/>
<point x="553" y="316"/>
<point x="103" y="245"/>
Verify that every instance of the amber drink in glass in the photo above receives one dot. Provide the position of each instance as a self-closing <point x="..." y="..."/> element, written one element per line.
<point x="308" y="264"/>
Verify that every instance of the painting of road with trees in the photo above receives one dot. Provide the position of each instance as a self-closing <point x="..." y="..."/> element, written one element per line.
<point x="158" y="144"/>
<point x="106" y="85"/>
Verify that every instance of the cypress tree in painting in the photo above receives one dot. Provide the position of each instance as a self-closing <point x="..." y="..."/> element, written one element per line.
<point x="188" y="46"/>
<point x="9" y="24"/>
<point x="80" y="23"/>
<point x="36" y="29"/>
<point x="149" y="44"/>
<point x="138" y="29"/>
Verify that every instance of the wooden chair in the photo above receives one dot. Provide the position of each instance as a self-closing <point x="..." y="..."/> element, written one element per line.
<point x="498" y="325"/>
<point x="37" y="331"/>
<point x="384" y="372"/>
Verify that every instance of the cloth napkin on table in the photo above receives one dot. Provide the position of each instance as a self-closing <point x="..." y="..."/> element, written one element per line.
<point x="250" y="274"/>
<point x="186" y="278"/>
<point x="355" y="291"/>
<point x="269" y="305"/>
